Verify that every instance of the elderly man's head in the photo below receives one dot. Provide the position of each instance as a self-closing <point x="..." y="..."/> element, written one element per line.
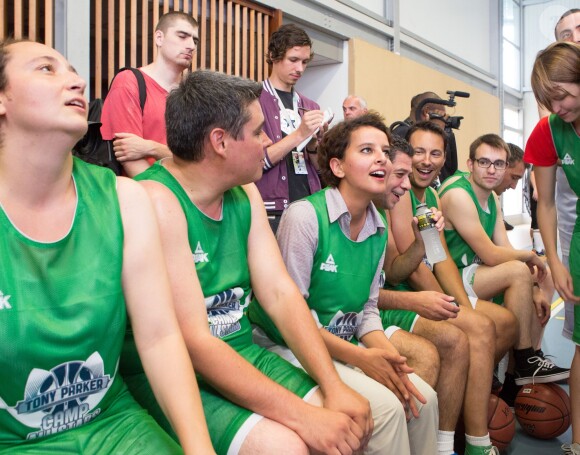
<point x="354" y="106"/>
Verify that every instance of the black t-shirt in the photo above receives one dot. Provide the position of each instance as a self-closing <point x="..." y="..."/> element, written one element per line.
<point x="297" y="183"/>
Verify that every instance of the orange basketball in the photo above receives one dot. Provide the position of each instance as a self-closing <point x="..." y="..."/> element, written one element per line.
<point x="543" y="410"/>
<point x="500" y="422"/>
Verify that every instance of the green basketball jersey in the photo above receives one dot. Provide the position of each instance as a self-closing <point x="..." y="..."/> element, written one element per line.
<point x="340" y="280"/>
<point x="460" y="251"/>
<point x="62" y="316"/>
<point x="220" y="252"/>
<point x="567" y="144"/>
<point x="431" y="201"/>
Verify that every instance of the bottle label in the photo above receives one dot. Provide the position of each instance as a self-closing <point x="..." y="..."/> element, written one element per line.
<point x="425" y="221"/>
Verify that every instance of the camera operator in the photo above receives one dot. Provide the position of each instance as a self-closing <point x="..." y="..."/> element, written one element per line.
<point x="437" y="114"/>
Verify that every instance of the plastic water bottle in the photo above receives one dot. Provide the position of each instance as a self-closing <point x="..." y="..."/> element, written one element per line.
<point x="433" y="248"/>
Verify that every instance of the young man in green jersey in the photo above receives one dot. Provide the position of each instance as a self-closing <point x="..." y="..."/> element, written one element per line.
<point x="489" y="265"/>
<point x="73" y="246"/>
<point x="214" y="229"/>
<point x="431" y="308"/>
<point x="333" y="243"/>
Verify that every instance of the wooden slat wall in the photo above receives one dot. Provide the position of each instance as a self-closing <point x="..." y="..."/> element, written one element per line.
<point x="233" y="34"/>
<point x="28" y="19"/>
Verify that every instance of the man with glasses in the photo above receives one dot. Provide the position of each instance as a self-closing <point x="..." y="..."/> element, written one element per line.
<point x="490" y="266"/>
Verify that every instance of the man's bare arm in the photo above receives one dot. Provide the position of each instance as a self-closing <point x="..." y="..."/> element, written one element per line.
<point x="157" y="335"/>
<point x="461" y="214"/>
<point x="235" y="378"/>
<point x="131" y="151"/>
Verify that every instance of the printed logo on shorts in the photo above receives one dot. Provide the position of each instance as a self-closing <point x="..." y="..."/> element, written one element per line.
<point x="224" y="311"/>
<point x="329" y="265"/>
<point x="4" y="304"/>
<point x="476" y="260"/>
<point x="63" y="398"/>
<point x="344" y="325"/>
<point x="199" y="255"/>
<point x="568" y="160"/>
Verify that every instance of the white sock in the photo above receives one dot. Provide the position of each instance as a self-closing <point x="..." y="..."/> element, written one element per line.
<point x="538" y="242"/>
<point x="445" y="440"/>
<point x="481" y="441"/>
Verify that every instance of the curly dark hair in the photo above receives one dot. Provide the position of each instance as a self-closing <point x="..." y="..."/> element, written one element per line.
<point x="286" y="37"/>
<point x="337" y="140"/>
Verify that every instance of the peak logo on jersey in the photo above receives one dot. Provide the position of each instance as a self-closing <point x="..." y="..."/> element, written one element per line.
<point x="344" y="325"/>
<point x="199" y="255"/>
<point x="224" y="311"/>
<point x="329" y="265"/>
<point x="568" y="161"/>
<point x="4" y="304"/>
<point x="62" y="398"/>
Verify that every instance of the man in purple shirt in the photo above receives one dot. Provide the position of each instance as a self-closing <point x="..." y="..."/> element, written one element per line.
<point x="291" y="122"/>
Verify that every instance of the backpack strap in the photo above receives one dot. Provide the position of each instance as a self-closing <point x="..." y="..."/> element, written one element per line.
<point x="140" y="83"/>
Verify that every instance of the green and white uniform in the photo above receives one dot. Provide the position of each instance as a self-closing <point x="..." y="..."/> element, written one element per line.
<point x="460" y="251"/>
<point x="334" y="273"/>
<point x="339" y="278"/>
<point x="466" y="260"/>
<point x="220" y="252"/>
<point x="554" y="139"/>
<point x="62" y="323"/>
<point x="406" y="319"/>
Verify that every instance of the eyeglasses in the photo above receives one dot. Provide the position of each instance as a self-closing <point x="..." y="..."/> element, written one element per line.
<point x="497" y="164"/>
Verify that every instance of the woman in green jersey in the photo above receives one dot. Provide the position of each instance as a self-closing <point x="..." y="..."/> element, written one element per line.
<point x="76" y="244"/>
<point x="556" y="85"/>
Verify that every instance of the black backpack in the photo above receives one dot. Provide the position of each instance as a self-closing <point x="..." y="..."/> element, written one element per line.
<point x="92" y="148"/>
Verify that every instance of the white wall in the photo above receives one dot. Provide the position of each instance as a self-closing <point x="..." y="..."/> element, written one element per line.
<point x="539" y="23"/>
<point x="463" y="28"/>
<point x="376" y="6"/>
<point x="327" y="84"/>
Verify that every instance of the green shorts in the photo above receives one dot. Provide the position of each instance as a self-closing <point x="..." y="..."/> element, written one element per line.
<point x="574" y="263"/>
<point x="124" y="428"/>
<point x="141" y="390"/>
<point x="228" y="423"/>
<point x="404" y="319"/>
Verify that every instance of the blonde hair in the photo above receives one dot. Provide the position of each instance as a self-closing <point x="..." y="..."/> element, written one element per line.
<point x="559" y="62"/>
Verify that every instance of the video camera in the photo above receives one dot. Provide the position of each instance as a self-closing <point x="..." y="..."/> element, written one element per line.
<point x="451" y="121"/>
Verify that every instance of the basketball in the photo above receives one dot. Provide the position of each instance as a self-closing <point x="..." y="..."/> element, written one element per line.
<point x="543" y="410"/>
<point x="500" y="422"/>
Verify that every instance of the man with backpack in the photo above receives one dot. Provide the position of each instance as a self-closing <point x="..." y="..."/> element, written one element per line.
<point x="137" y="130"/>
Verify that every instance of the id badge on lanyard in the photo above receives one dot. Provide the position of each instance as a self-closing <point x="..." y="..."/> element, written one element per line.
<point x="299" y="162"/>
<point x="289" y="122"/>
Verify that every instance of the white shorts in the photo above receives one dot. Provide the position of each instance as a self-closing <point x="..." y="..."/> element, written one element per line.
<point x="468" y="275"/>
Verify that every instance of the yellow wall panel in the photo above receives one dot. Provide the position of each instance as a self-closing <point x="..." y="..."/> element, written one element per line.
<point x="388" y="82"/>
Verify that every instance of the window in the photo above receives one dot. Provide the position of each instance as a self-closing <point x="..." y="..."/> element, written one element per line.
<point x="511" y="44"/>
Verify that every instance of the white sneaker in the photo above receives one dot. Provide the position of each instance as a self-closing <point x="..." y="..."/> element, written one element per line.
<point x="571" y="449"/>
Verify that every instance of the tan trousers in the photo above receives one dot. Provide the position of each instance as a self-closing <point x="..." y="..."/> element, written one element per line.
<point x="392" y="433"/>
